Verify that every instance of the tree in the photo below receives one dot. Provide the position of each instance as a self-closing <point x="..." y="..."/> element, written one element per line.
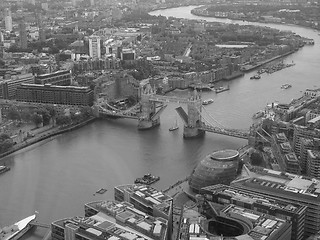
<point x="37" y="119"/>
<point x="44" y="113"/>
<point x="13" y="113"/>
<point x="86" y="111"/>
<point x="63" y="120"/>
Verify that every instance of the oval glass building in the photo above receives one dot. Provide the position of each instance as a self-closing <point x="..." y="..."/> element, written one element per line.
<point x="218" y="167"/>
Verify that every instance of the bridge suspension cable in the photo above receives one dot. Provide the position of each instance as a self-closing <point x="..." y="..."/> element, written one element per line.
<point x="212" y="118"/>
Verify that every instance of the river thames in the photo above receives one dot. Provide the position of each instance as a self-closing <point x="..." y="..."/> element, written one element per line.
<point x="58" y="176"/>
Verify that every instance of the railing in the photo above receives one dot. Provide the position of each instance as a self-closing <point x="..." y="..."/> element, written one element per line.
<point x="160" y="98"/>
<point x="228" y="132"/>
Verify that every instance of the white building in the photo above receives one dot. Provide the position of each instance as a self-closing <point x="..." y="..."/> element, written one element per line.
<point x="94" y="47"/>
<point x="8" y="19"/>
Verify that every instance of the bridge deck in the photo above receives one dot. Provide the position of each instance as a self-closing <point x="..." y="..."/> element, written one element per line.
<point x="227" y="132"/>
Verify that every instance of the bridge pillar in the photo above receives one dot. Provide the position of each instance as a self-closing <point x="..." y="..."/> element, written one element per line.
<point x="148" y="109"/>
<point x="194" y="118"/>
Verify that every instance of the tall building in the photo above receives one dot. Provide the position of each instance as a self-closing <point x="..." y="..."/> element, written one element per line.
<point x="8" y="19"/>
<point x="313" y="163"/>
<point x="289" y="187"/>
<point x="23" y="38"/>
<point x="94" y="47"/>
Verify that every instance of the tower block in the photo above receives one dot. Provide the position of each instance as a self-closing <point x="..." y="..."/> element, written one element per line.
<point x="192" y="130"/>
<point x="148" y="118"/>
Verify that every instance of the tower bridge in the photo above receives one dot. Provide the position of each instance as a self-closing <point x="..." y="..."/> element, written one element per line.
<point x="196" y="119"/>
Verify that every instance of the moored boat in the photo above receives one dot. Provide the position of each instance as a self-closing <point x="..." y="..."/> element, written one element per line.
<point x="4" y="169"/>
<point x="255" y="77"/>
<point x="147" y="179"/>
<point x="18" y="229"/>
<point x="206" y="102"/>
<point x="222" y="89"/>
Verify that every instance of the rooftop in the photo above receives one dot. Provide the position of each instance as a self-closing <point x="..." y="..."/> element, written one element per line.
<point x="245" y="196"/>
<point x="150" y="195"/>
<point x="117" y="221"/>
<point x="291" y="185"/>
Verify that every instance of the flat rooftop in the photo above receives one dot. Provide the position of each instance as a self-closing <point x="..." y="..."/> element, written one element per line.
<point x="292" y="185"/>
<point x="118" y="222"/>
<point x="149" y="195"/>
<point x="244" y="196"/>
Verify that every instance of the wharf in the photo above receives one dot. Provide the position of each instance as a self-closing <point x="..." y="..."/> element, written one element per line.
<point x="249" y="67"/>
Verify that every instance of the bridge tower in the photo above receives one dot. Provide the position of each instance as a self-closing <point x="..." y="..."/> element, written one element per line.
<point x="194" y="122"/>
<point x="149" y="117"/>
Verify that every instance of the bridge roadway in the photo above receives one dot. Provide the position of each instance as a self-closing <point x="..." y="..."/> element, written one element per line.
<point x="227" y="132"/>
<point x="160" y="98"/>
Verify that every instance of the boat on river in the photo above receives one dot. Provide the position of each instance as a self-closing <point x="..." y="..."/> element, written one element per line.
<point x="255" y="77"/>
<point x="4" y="169"/>
<point x="208" y="101"/>
<point x="18" y="229"/>
<point x="222" y="89"/>
<point x="147" y="179"/>
<point x="286" y="86"/>
<point x="258" y="114"/>
<point x="175" y="126"/>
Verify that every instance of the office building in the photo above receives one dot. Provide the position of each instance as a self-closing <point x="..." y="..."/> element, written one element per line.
<point x="8" y="19"/>
<point x="94" y="47"/>
<point x="286" y="158"/>
<point x="233" y="223"/>
<point x="147" y="200"/>
<point x="288" y="187"/>
<point x="62" y="77"/>
<point x="9" y="84"/>
<point x="217" y="167"/>
<point x="47" y="93"/>
<point x="307" y="144"/>
<point x="303" y="132"/>
<point x="110" y="220"/>
<point x="313" y="163"/>
<point x="264" y="204"/>
<point x="23" y="38"/>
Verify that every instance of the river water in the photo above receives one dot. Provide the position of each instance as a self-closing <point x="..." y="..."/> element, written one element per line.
<point x="56" y="177"/>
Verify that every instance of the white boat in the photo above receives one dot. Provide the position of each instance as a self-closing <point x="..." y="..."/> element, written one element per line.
<point x="258" y="114"/>
<point x="17" y="230"/>
<point x="206" y="102"/>
<point x="175" y="126"/>
<point x="286" y="86"/>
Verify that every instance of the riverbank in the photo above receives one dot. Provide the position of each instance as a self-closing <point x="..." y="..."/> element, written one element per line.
<point x="247" y="68"/>
<point x="202" y="12"/>
<point x="45" y="135"/>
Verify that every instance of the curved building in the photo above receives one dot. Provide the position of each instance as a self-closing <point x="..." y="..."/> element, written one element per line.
<point x="217" y="167"/>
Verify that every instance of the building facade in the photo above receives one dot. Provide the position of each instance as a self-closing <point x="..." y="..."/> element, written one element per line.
<point x="9" y="84"/>
<point x="113" y="221"/>
<point x="264" y="204"/>
<point x="94" y="47"/>
<point x="47" y="93"/>
<point x="62" y="77"/>
<point x="288" y="187"/>
<point x="147" y="200"/>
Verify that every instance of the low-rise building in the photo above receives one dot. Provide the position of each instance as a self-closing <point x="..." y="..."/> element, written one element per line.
<point x="110" y="220"/>
<point x="56" y="78"/>
<point x="47" y="93"/>
<point x="287" y="210"/>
